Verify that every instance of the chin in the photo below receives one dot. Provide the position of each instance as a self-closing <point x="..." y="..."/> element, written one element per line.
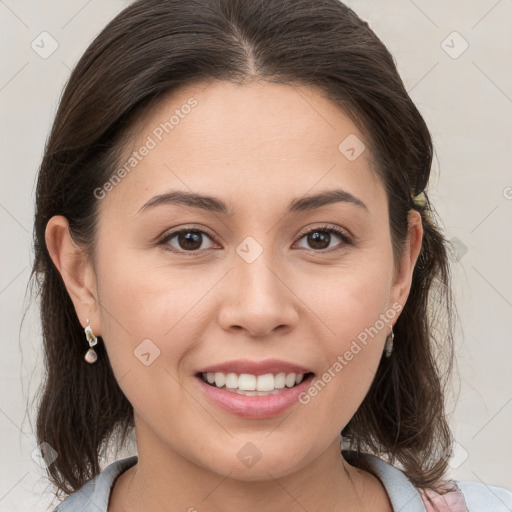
<point x="251" y="464"/>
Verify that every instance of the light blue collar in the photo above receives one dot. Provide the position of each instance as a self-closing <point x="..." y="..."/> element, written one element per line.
<point x="95" y="494"/>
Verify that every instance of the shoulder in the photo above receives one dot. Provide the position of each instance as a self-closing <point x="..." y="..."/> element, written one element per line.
<point x="94" y="495"/>
<point x="485" y="498"/>
<point x="467" y="497"/>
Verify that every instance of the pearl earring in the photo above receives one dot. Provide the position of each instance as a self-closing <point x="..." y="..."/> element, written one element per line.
<point x="90" y="356"/>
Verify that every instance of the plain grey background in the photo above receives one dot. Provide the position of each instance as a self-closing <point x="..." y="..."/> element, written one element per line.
<point x="455" y="58"/>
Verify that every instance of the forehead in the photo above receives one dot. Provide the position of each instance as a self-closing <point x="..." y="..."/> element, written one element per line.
<point x="259" y="137"/>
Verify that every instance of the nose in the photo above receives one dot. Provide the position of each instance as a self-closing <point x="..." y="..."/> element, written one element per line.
<point x="259" y="298"/>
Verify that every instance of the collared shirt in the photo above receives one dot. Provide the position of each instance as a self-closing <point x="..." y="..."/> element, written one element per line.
<point x="404" y="496"/>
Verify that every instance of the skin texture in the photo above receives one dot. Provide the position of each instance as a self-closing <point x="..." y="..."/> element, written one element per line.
<point x="257" y="147"/>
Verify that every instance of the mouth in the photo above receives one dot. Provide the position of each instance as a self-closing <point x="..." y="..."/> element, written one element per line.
<point x="254" y="389"/>
<point x="248" y="384"/>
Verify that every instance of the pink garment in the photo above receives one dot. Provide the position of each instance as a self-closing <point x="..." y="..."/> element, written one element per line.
<point x="452" y="501"/>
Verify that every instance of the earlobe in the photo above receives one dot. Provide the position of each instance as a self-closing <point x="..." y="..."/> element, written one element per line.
<point x="74" y="266"/>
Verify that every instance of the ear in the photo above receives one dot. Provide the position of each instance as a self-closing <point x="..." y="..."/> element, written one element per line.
<point x="403" y="276"/>
<point x="76" y="270"/>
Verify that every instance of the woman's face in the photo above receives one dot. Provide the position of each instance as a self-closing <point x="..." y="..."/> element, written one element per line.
<point x="256" y="286"/>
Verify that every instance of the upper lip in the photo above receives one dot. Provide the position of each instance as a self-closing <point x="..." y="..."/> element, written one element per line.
<point x="240" y="366"/>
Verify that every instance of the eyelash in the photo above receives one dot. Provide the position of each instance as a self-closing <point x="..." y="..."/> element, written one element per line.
<point x="346" y="239"/>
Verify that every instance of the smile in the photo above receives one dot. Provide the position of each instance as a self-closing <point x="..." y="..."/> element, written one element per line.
<point x="269" y="394"/>
<point x="253" y="385"/>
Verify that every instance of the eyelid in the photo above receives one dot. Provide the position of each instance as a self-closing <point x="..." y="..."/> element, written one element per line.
<point x="329" y="227"/>
<point x="173" y="232"/>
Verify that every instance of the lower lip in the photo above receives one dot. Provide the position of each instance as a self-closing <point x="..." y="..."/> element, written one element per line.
<point x="254" y="406"/>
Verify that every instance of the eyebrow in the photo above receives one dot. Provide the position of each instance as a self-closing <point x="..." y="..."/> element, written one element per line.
<point x="212" y="204"/>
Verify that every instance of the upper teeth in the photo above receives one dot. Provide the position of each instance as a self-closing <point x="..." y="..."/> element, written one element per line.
<point x="249" y="382"/>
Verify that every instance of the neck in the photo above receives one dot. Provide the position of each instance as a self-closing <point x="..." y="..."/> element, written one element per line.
<point x="165" y="480"/>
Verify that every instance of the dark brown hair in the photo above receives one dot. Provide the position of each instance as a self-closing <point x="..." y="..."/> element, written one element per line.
<point x="149" y="50"/>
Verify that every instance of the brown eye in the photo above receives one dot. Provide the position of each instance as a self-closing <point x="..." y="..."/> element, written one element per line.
<point x="319" y="239"/>
<point x="187" y="240"/>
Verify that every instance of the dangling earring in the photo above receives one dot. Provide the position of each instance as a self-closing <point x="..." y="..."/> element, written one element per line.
<point x="90" y="356"/>
<point x="389" y="342"/>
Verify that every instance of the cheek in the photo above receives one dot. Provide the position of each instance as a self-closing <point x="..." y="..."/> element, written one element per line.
<point x="148" y="310"/>
<point x="352" y="308"/>
<point x="148" y="331"/>
<point x="148" y="300"/>
<point x="349" y="299"/>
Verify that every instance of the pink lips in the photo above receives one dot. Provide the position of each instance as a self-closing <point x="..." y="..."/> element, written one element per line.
<point x="254" y="407"/>
<point x="255" y="367"/>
